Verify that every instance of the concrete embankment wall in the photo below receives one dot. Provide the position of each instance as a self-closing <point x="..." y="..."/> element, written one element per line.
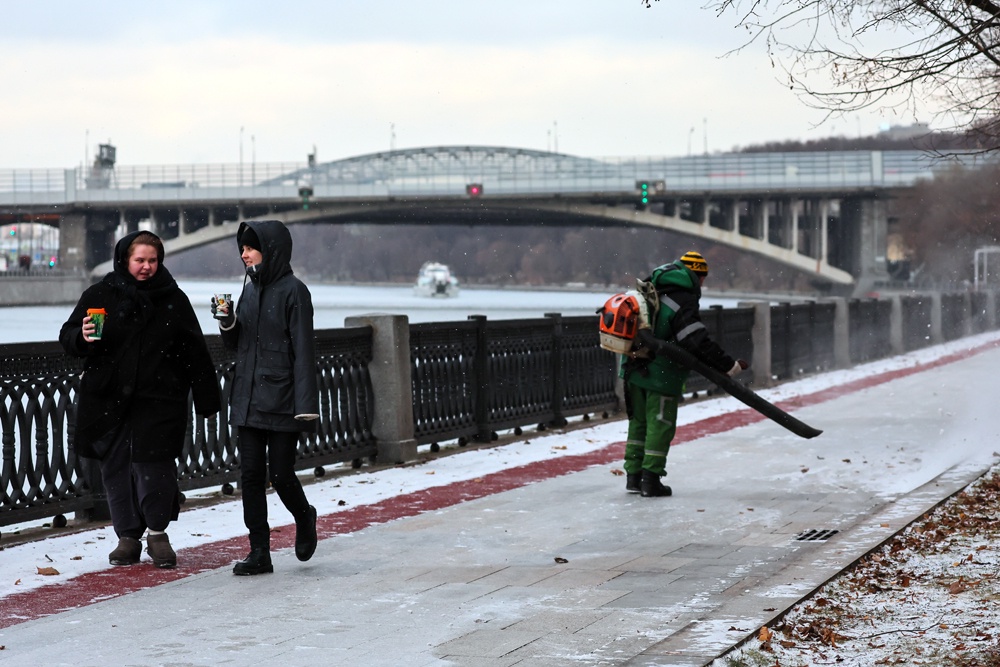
<point x="42" y="290"/>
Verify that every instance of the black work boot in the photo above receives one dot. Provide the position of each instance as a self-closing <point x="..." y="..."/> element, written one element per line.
<point x="305" y="536"/>
<point x="652" y="487"/>
<point x="258" y="561"/>
<point x="127" y="552"/>
<point x="633" y="482"/>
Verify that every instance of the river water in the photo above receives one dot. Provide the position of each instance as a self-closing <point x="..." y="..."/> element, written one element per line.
<point x="333" y="303"/>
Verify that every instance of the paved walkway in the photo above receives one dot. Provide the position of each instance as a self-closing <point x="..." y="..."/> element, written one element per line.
<point x="553" y="564"/>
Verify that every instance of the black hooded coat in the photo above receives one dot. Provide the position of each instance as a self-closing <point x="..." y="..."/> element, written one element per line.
<point x="151" y="356"/>
<point x="275" y="377"/>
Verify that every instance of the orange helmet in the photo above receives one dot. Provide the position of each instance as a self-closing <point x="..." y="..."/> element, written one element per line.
<point x="621" y="317"/>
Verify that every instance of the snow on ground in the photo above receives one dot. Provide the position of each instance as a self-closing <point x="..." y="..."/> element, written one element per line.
<point x="927" y="597"/>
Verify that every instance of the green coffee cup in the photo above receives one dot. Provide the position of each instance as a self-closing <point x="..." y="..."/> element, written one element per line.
<point x="97" y="316"/>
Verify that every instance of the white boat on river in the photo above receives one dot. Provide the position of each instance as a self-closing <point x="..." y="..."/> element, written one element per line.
<point x="435" y="279"/>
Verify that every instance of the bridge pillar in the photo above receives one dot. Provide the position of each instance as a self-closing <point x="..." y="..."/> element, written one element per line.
<point x="181" y="222"/>
<point x="794" y="207"/>
<point x="861" y="240"/>
<point x="824" y="216"/>
<point x="73" y="242"/>
<point x="765" y="219"/>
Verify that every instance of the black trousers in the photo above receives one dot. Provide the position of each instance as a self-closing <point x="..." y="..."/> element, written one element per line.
<point x="262" y="451"/>
<point x="140" y="494"/>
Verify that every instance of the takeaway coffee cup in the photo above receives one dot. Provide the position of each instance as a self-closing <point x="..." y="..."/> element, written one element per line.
<point x="223" y="302"/>
<point x="97" y="316"/>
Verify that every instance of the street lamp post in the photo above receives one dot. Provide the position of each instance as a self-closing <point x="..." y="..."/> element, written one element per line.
<point x="241" y="156"/>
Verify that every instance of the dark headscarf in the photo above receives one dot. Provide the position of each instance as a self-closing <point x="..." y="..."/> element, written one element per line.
<point x="138" y="296"/>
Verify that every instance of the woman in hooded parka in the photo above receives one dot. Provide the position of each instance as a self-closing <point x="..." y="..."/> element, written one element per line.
<point x="132" y="408"/>
<point x="274" y="392"/>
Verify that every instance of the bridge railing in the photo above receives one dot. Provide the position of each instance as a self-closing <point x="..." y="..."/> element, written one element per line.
<point x="467" y="380"/>
<point x="449" y="170"/>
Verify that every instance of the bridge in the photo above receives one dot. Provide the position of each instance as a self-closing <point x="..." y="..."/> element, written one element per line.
<point x="822" y="213"/>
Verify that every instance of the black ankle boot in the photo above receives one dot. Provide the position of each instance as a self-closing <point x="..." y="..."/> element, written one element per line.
<point x="258" y="561"/>
<point x="633" y="482"/>
<point x="305" y="536"/>
<point x="652" y="487"/>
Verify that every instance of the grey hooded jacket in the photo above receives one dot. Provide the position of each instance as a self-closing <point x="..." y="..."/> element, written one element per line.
<point x="275" y="378"/>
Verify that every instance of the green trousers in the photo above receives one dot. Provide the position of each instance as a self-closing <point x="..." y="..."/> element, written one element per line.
<point x="651" y="429"/>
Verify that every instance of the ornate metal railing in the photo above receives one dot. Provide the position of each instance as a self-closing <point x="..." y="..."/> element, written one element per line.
<point x="868" y="325"/>
<point x="42" y="476"/>
<point x="801" y="339"/>
<point x="469" y="379"/>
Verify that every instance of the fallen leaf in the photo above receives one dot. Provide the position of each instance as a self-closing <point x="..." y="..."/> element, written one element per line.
<point x="765" y="634"/>
<point x="77" y="558"/>
<point x="429" y="472"/>
<point x="341" y="503"/>
<point x="804" y="470"/>
<point x="560" y="559"/>
<point x="559" y="447"/>
<point x="617" y="472"/>
<point x="47" y="571"/>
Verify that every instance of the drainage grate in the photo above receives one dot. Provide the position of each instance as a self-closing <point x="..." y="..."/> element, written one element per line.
<point x="814" y="535"/>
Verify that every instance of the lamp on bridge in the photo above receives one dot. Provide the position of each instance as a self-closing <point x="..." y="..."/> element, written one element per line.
<point x="474" y="189"/>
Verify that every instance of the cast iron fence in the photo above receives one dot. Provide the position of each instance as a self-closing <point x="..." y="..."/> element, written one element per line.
<point x="469" y="379"/>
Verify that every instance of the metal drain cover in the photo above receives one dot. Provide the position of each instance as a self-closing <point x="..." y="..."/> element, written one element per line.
<point x="815" y="535"/>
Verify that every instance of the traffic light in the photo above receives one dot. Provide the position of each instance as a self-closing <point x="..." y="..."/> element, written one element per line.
<point x="305" y="192"/>
<point x="13" y="231"/>
<point x="52" y="262"/>
<point x="643" y="188"/>
<point x="474" y="189"/>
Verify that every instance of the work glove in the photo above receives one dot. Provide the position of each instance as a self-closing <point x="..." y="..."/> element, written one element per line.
<point x="227" y="318"/>
<point x="740" y="366"/>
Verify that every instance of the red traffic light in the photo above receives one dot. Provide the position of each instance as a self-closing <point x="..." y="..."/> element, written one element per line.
<point x="474" y="189"/>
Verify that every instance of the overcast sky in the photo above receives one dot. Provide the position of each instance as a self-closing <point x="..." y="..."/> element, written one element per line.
<point x="192" y="81"/>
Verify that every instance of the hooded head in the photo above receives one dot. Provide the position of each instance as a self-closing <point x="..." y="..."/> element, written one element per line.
<point x="126" y="246"/>
<point x="272" y="239"/>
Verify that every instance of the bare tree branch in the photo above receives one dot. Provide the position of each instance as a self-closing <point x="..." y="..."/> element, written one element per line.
<point x="846" y="55"/>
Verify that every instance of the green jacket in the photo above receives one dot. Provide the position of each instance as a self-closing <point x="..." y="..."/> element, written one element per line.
<point x="677" y="320"/>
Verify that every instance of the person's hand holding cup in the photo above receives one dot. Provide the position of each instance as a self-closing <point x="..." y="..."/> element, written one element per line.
<point x="93" y="324"/>
<point x="222" y="309"/>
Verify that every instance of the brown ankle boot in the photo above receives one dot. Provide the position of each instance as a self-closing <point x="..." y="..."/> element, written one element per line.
<point x="127" y="552"/>
<point x="159" y="549"/>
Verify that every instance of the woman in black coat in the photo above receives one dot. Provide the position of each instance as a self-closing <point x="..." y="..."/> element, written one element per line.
<point x="133" y="398"/>
<point x="274" y="391"/>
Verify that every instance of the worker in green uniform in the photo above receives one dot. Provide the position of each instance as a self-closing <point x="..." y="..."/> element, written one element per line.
<point x="654" y="385"/>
